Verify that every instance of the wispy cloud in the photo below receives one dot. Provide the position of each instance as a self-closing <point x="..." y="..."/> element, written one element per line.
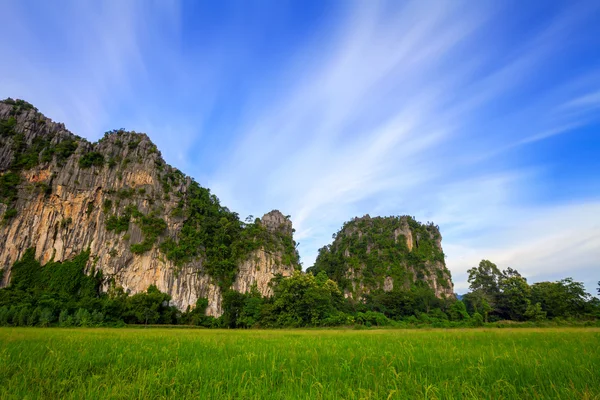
<point x="386" y="121"/>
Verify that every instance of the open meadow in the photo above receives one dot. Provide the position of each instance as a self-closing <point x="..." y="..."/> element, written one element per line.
<point x="306" y="364"/>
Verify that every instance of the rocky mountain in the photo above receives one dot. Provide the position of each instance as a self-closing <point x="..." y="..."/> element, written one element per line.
<point x="383" y="254"/>
<point x="143" y="221"/>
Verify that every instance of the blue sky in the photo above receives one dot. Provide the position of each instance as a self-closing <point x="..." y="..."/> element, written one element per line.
<point x="483" y="117"/>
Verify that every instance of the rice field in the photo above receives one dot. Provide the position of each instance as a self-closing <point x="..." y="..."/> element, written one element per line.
<point x="299" y="364"/>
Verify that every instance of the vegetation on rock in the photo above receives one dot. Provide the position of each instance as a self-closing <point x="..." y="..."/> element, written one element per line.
<point x="367" y="250"/>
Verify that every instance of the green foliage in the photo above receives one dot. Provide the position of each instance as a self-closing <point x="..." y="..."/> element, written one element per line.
<point x="28" y="156"/>
<point x="565" y="298"/>
<point x="477" y="320"/>
<point x="61" y="293"/>
<point x="8" y="187"/>
<point x="372" y="318"/>
<point x="152" y="227"/>
<point x="7" y="127"/>
<point x="534" y="312"/>
<point x="9" y="214"/>
<point x="458" y="311"/>
<point x="126" y="193"/>
<point x="18" y="106"/>
<point x="150" y="308"/>
<point x="515" y="295"/>
<point x="375" y="248"/>
<point x="304" y="300"/>
<point x="41" y="149"/>
<point x="133" y="144"/>
<point x="485" y="277"/>
<point x="118" y="224"/>
<point x="506" y="295"/>
<point x="106" y="205"/>
<point x="212" y="232"/>
<point x="197" y="316"/>
<point x="91" y="159"/>
<point x="64" y="149"/>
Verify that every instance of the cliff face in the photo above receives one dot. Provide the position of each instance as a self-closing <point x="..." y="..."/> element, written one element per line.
<point x="370" y="254"/>
<point x="263" y="264"/>
<point x="143" y="221"/>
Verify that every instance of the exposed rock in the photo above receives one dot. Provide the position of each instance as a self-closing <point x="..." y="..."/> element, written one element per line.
<point x="67" y="194"/>
<point x="275" y="221"/>
<point x="388" y="284"/>
<point x="370" y="254"/>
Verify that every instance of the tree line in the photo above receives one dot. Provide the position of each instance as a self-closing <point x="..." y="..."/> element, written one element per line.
<point x="62" y="294"/>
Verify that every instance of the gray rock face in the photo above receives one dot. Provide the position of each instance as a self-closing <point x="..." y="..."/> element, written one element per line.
<point x="275" y="221"/>
<point x="63" y="206"/>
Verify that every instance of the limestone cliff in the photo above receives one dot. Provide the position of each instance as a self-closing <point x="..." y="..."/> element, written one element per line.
<point x="370" y="254"/>
<point x="263" y="264"/>
<point x="143" y="221"/>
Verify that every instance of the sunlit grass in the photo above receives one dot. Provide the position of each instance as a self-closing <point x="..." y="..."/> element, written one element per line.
<point x="311" y="364"/>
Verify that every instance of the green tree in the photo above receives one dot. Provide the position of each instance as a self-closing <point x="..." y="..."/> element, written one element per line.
<point x="196" y="315"/>
<point x="458" y="311"/>
<point x="477" y="319"/>
<point x="46" y="317"/>
<point x="564" y="298"/>
<point x="484" y="284"/>
<point x="394" y="304"/>
<point x="305" y="300"/>
<point x="251" y="311"/>
<point x="485" y="278"/>
<point x="424" y="297"/>
<point x="149" y="307"/>
<point x="534" y="312"/>
<point x="233" y="305"/>
<point x="515" y="295"/>
<point x="4" y="314"/>
<point x="477" y="301"/>
<point x="64" y="319"/>
<point x="83" y="318"/>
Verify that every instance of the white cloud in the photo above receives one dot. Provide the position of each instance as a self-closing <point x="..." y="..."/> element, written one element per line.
<point x="540" y="242"/>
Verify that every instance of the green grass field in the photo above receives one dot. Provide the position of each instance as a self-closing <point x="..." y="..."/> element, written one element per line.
<point x="304" y="364"/>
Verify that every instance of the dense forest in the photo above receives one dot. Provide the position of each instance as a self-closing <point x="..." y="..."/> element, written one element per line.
<point x="62" y="294"/>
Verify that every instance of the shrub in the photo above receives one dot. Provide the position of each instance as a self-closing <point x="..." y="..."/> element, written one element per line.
<point x="7" y="127"/>
<point x="107" y="205"/>
<point x="65" y="149"/>
<point x="64" y="319"/>
<point x="91" y="159"/>
<point x="10" y="213"/>
<point x="477" y="320"/>
<point x="8" y="186"/>
<point x="118" y="224"/>
<point x="83" y="317"/>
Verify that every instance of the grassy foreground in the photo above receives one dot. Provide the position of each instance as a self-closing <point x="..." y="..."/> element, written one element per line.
<point x="310" y="364"/>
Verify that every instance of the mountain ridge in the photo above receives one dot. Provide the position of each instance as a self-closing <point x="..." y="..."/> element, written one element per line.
<point x="146" y="223"/>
